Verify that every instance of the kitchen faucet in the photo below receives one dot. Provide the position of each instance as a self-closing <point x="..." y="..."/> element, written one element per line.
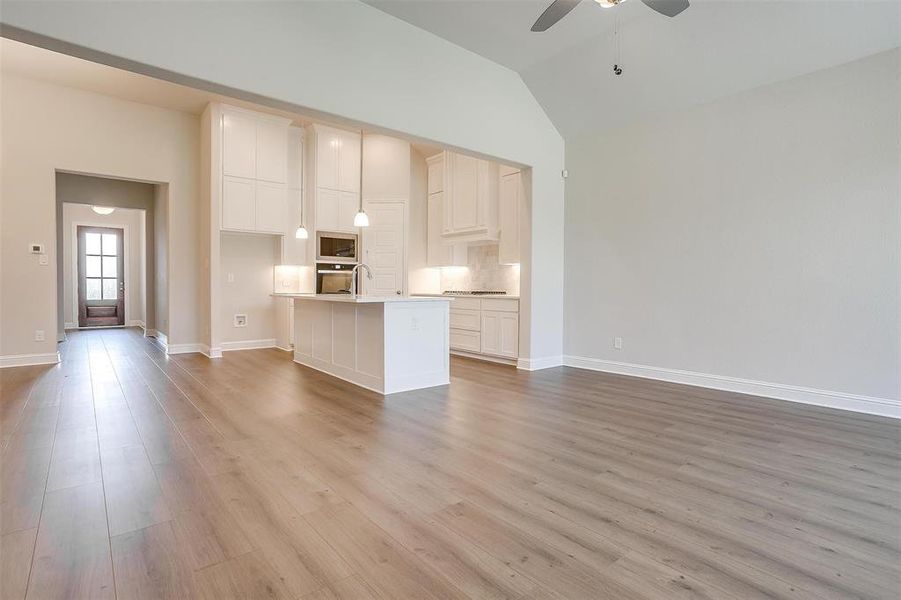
<point x="353" y="277"/>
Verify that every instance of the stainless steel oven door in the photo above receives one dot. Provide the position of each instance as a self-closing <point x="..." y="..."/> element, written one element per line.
<point x="330" y="280"/>
<point x="341" y="247"/>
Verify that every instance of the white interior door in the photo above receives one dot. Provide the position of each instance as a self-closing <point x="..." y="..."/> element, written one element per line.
<point x="383" y="249"/>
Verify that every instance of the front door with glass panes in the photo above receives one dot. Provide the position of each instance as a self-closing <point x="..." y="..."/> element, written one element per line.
<point x="101" y="286"/>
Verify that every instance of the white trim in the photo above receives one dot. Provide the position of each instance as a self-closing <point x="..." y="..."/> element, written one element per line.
<point x="188" y="349"/>
<point x="247" y="345"/>
<point x="135" y="323"/>
<point x="486" y="357"/>
<point x="536" y="364"/>
<point x="283" y="349"/>
<point x="865" y="404"/>
<point x="23" y="360"/>
<point x="70" y="326"/>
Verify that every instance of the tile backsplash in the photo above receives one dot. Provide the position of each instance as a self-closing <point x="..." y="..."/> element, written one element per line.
<point x="482" y="272"/>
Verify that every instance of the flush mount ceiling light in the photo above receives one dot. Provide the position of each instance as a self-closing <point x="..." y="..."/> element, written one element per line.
<point x="103" y="210"/>
<point x="609" y="3"/>
<point x="361" y="219"/>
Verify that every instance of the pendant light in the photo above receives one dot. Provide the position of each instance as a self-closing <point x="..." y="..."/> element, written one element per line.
<point x="301" y="232"/>
<point x="361" y="219"/>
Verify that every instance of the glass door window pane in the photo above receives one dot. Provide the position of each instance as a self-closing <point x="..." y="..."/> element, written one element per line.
<point x="109" y="244"/>
<point x="92" y="266"/>
<point x="92" y="243"/>
<point x="109" y="289"/>
<point x="92" y="289"/>
<point x="109" y="266"/>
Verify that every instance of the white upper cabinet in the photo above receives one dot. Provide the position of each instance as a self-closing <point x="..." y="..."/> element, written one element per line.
<point x="349" y="162"/>
<point x="510" y="195"/>
<point x="441" y="253"/>
<point x="271" y="207"/>
<point x="470" y="196"/>
<point x="272" y="152"/>
<point x="336" y="181"/>
<point x="238" y="204"/>
<point x="326" y="157"/>
<point x="256" y="170"/>
<point x="239" y="146"/>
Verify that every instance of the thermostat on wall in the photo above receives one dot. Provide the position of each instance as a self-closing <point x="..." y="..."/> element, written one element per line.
<point x="36" y="248"/>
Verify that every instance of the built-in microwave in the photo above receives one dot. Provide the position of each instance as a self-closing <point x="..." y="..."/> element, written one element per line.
<point x="337" y="247"/>
<point x="334" y="278"/>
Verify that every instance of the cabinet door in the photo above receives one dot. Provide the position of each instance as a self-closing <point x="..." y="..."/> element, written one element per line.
<point x="491" y="333"/>
<point x="326" y="209"/>
<point x="348" y="205"/>
<point x="349" y="162"/>
<point x="272" y="152"/>
<point x="509" y="197"/>
<point x="327" y="142"/>
<point x="439" y="253"/>
<point x="238" y="211"/>
<point x="500" y="333"/>
<point x="239" y="142"/>
<point x="464" y="201"/>
<point x="272" y="207"/>
<point x="509" y="330"/>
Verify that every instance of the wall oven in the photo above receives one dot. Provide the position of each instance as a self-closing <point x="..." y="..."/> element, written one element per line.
<point x="333" y="278"/>
<point x="337" y="247"/>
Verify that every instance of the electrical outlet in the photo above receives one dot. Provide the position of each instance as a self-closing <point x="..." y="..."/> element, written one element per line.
<point x="231" y="277"/>
<point x="240" y="320"/>
<point x="618" y="343"/>
<point x="43" y="260"/>
<point x="39" y="335"/>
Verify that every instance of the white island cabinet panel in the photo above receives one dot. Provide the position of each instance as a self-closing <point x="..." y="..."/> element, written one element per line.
<point x="387" y="345"/>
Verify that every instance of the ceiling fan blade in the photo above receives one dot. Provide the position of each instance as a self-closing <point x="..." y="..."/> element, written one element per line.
<point x="670" y="8"/>
<point x="553" y="13"/>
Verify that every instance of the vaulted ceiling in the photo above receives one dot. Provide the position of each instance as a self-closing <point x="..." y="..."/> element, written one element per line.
<point x="713" y="49"/>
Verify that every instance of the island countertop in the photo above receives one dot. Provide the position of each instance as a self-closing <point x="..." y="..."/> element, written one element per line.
<point x="347" y="298"/>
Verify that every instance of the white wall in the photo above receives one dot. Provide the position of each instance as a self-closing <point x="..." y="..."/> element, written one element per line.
<point x="755" y="237"/>
<point x="47" y="127"/>
<point x="131" y="221"/>
<point x="249" y="258"/>
<point x="347" y="59"/>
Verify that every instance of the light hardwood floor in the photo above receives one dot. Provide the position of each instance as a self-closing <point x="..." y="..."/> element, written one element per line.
<point x="132" y="475"/>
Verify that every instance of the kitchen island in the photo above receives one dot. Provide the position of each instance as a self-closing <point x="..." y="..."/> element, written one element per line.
<point x="385" y="344"/>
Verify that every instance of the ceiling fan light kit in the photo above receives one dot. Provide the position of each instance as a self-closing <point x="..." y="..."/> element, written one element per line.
<point x="560" y="8"/>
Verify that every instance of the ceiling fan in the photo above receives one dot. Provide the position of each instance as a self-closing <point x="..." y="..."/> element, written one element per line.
<point x="560" y="8"/>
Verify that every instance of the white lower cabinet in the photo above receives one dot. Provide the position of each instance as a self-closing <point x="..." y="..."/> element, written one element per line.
<point x="500" y="333"/>
<point x="485" y="326"/>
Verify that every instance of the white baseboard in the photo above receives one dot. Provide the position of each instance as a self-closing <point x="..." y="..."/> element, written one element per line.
<point x="188" y="348"/>
<point x="248" y="345"/>
<point x="24" y="360"/>
<point x="70" y="325"/>
<point x="865" y="404"/>
<point x="536" y="364"/>
<point x="215" y="353"/>
<point x="282" y="348"/>
<point x="135" y="323"/>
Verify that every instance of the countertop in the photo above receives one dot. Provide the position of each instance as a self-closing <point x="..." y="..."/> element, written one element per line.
<point x="479" y="296"/>
<point x="361" y="299"/>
